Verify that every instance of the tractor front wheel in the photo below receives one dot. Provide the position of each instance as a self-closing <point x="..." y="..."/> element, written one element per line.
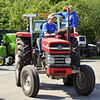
<point x="84" y="81"/>
<point x="29" y="81"/>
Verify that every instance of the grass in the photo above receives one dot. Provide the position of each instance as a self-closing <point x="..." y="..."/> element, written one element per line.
<point x="91" y="57"/>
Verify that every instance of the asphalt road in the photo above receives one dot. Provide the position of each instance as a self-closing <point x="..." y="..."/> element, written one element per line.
<point x="49" y="89"/>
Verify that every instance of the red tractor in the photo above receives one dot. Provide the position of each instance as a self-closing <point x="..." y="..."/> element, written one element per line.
<point x="62" y="62"/>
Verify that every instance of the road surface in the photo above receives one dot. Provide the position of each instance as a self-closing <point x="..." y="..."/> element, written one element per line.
<point x="49" y="89"/>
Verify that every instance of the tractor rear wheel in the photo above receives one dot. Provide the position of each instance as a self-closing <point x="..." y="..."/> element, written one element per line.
<point x="75" y="52"/>
<point x="30" y="81"/>
<point x="22" y="56"/>
<point x="84" y="81"/>
<point x="75" y="60"/>
<point x="68" y="81"/>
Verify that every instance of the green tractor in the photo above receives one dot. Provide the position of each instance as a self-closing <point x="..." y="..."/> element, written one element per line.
<point x="7" y="48"/>
<point x="36" y="29"/>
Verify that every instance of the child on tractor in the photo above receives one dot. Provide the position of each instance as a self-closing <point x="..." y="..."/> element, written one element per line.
<point x="73" y="21"/>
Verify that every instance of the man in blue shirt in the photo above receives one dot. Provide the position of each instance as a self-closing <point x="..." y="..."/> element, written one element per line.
<point x="48" y="30"/>
<point x="73" y="21"/>
<point x="49" y="27"/>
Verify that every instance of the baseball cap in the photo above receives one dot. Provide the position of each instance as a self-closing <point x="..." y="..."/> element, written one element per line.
<point x="65" y="8"/>
<point x="51" y="16"/>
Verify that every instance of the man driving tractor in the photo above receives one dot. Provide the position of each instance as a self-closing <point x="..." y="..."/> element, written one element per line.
<point x="48" y="30"/>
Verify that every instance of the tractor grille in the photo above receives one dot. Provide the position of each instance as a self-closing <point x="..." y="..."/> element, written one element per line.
<point x="59" y="61"/>
<point x="59" y="47"/>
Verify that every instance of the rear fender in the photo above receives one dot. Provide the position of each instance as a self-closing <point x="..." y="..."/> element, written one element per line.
<point x="26" y="34"/>
<point x="71" y="35"/>
<point x="23" y="34"/>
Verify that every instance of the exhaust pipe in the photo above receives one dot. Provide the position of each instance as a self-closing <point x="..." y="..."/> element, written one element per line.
<point x="68" y="28"/>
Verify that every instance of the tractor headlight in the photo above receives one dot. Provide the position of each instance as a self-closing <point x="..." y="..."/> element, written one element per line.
<point x="67" y="60"/>
<point x="51" y="60"/>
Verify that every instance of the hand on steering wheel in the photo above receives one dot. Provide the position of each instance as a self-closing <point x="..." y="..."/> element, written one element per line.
<point x="53" y="34"/>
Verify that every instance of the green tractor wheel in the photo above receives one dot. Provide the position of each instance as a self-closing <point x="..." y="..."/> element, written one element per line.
<point x="2" y="61"/>
<point x="11" y="60"/>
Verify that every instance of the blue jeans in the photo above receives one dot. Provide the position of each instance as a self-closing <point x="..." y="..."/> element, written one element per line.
<point x="39" y="41"/>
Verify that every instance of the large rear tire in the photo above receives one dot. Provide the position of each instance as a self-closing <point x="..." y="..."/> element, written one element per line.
<point x="30" y="81"/>
<point x="75" y="52"/>
<point x="22" y="56"/>
<point x="84" y="81"/>
<point x="68" y="81"/>
<point x="75" y="60"/>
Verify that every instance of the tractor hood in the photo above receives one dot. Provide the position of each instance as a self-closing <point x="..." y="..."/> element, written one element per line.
<point x="55" y="45"/>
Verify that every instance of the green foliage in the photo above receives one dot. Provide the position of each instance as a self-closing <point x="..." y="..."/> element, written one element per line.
<point x="88" y="11"/>
<point x="88" y="14"/>
<point x="91" y="57"/>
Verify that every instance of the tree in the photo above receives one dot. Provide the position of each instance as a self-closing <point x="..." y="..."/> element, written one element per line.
<point x="11" y="13"/>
